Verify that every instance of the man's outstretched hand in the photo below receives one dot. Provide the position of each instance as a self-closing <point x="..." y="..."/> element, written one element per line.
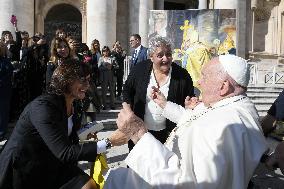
<point x="129" y="124"/>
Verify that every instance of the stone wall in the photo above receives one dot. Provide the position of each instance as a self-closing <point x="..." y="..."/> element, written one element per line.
<point x="268" y="28"/>
<point x="24" y="10"/>
<point x="122" y="28"/>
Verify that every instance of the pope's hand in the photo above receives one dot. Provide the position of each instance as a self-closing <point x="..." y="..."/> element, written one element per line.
<point x="129" y="124"/>
<point x="118" y="138"/>
<point x="191" y="103"/>
<point x="158" y="97"/>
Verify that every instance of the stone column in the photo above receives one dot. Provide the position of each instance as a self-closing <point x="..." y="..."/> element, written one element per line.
<point x="252" y="28"/>
<point x="202" y="4"/>
<point x="39" y="23"/>
<point x="139" y="11"/>
<point x="243" y="28"/>
<point x="281" y="33"/>
<point x="133" y="16"/>
<point x="144" y="14"/>
<point x="84" y="20"/>
<point x="133" y="19"/>
<point x="255" y="4"/>
<point x="101" y="21"/>
<point x="24" y="10"/>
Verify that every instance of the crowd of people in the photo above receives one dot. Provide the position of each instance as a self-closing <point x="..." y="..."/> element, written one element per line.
<point x="176" y="140"/>
<point x="32" y="61"/>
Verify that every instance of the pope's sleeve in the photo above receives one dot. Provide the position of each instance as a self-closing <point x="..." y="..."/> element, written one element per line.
<point x="173" y="112"/>
<point x="158" y="165"/>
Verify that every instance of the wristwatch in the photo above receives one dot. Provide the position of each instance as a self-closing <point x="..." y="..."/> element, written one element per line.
<point x="108" y="143"/>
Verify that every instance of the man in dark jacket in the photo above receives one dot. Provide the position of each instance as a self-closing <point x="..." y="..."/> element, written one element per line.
<point x="139" y="52"/>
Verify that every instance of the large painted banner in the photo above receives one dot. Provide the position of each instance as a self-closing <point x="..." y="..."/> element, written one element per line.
<point x="196" y="35"/>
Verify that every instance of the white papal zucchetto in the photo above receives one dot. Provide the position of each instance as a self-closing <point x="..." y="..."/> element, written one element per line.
<point x="236" y="67"/>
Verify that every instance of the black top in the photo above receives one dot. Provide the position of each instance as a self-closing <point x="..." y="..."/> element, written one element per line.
<point x="140" y="57"/>
<point x="39" y="153"/>
<point x="135" y="88"/>
<point x="15" y="48"/>
<point x="6" y="72"/>
<point x="277" y="108"/>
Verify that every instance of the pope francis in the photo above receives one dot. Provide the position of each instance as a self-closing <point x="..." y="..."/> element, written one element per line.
<point x="216" y="145"/>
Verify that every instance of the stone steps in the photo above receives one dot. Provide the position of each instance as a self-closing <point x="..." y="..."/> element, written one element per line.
<point x="263" y="96"/>
<point x="108" y="117"/>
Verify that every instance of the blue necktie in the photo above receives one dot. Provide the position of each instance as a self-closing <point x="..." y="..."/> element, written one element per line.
<point x="134" y="56"/>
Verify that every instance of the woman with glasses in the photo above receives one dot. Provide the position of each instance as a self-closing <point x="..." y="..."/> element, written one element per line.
<point x="44" y="148"/>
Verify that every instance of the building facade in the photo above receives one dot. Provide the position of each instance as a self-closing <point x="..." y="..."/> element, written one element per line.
<point x="260" y="22"/>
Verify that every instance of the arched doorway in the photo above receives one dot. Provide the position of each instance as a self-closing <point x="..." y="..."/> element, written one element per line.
<point x="63" y="16"/>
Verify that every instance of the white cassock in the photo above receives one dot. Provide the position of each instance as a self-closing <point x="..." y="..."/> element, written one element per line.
<point x="211" y="148"/>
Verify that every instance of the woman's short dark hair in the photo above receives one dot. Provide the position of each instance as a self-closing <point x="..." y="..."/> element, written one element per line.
<point x="65" y="74"/>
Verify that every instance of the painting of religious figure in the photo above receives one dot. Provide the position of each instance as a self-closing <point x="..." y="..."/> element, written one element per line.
<point x="196" y="35"/>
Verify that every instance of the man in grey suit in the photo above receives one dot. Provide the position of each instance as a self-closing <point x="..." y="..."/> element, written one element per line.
<point x="139" y="53"/>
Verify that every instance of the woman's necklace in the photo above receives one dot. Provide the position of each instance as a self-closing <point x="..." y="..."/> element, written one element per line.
<point x="156" y="80"/>
<point x="155" y="77"/>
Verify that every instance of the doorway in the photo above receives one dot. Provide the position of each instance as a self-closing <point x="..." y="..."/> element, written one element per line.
<point x="63" y="16"/>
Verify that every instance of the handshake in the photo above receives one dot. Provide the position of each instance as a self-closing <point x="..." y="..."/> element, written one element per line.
<point x="131" y="127"/>
<point x="159" y="98"/>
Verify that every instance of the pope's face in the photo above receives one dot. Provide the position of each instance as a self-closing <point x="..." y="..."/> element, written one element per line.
<point x="162" y="59"/>
<point x="209" y="82"/>
<point x="79" y="88"/>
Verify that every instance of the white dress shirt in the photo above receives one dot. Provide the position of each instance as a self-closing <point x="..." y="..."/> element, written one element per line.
<point x="153" y="113"/>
